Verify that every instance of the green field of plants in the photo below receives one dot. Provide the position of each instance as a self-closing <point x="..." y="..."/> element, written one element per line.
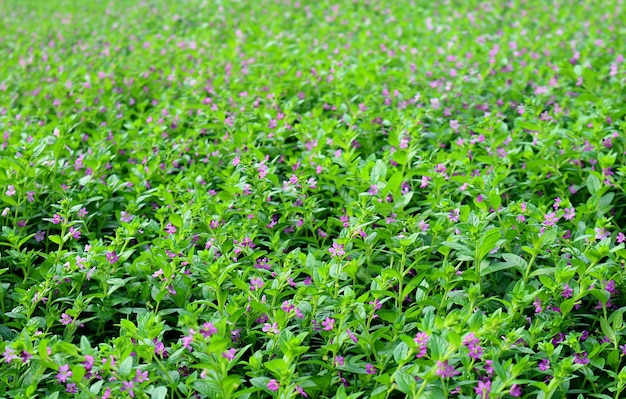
<point x="312" y="199"/>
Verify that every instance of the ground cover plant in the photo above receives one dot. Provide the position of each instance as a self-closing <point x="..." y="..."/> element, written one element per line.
<point x="280" y="199"/>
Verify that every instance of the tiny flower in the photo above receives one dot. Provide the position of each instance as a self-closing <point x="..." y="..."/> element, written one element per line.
<point x="570" y="213"/>
<point x="256" y="283"/>
<point x="328" y="324"/>
<point x="483" y="388"/>
<point x="567" y="291"/>
<point x="229" y="354"/>
<point x="66" y="319"/>
<point x="56" y="219"/>
<point x="9" y="355"/>
<point x="446" y="371"/>
<point x="336" y="250"/>
<point x="75" y="233"/>
<point x="64" y="373"/>
<point x="301" y="391"/>
<point x="581" y="358"/>
<point x="620" y="237"/>
<point x="421" y="340"/>
<point x="40" y="236"/>
<point x="112" y="257"/>
<point x="127" y="386"/>
<point x="141" y="376"/>
<point x="271" y="328"/>
<point x="126" y="217"/>
<point x="88" y="363"/>
<point x="516" y="391"/>
<point x="544" y="364"/>
<point x="537" y="305"/>
<point x="273" y="385"/>
<point x="10" y="191"/>
<point x="369" y="369"/>
<point x="208" y="329"/>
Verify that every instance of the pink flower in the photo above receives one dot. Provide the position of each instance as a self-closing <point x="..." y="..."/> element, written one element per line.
<point x="208" y="329"/>
<point x="336" y="250"/>
<point x="75" y="233"/>
<point x="516" y="391"/>
<point x="328" y="324"/>
<point x="273" y="385"/>
<point x="66" y="319"/>
<point x="64" y="373"/>
<point x="229" y="354"/>
<point x="112" y="257"/>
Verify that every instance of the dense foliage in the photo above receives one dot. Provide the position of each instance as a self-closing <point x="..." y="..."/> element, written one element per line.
<point x="350" y="199"/>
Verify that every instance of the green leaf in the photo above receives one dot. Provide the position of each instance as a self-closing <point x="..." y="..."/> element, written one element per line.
<point x="405" y="382"/>
<point x="56" y="239"/>
<point x="176" y="220"/>
<point x="379" y="170"/>
<point x="593" y="184"/>
<point x="159" y="393"/>
<point x="126" y="366"/>
<point x="277" y="366"/>
<point x="487" y="243"/>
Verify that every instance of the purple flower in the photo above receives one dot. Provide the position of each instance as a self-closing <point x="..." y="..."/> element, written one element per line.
<point x="446" y="371"/>
<point x="66" y="319"/>
<point x="170" y="229"/>
<point x="550" y="219"/>
<point x="544" y="364"/>
<point x="112" y="257"/>
<point x="581" y="358"/>
<point x="369" y="369"/>
<point x="537" y="305"/>
<point x="620" y="237"/>
<point x="56" y="219"/>
<point x="188" y="339"/>
<point x="40" y="236"/>
<point x="601" y="234"/>
<point x="126" y="217"/>
<point x="516" y="391"/>
<point x="75" y="233"/>
<point x="64" y="373"/>
<point x="256" y="283"/>
<point x="423" y="226"/>
<point x="567" y="291"/>
<point x="570" y="213"/>
<point x="229" y="354"/>
<point x="273" y="385"/>
<point x="454" y="215"/>
<point x="10" y="191"/>
<point x="301" y="391"/>
<point x="271" y="328"/>
<point x="9" y="355"/>
<point x="141" y="376"/>
<point x="127" y="386"/>
<point x="483" y="388"/>
<point x="336" y="250"/>
<point x="208" y="329"/>
<point x="88" y="363"/>
<point x="71" y="388"/>
<point x="328" y="324"/>
<point x="421" y="340"/>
